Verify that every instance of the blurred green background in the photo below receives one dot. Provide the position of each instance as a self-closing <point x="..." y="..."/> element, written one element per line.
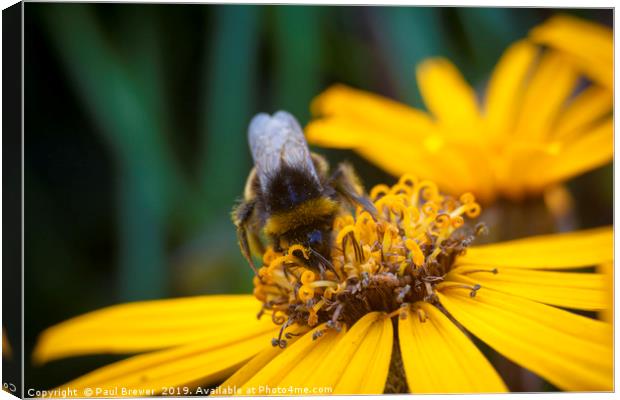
<point x="136" y="122"/>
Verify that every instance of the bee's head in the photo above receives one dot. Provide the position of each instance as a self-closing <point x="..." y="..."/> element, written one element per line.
<point x="314" y="238"/>
<point x="317" y="240"/>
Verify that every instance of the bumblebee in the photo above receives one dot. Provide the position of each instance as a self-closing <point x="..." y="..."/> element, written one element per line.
<point x="290" y="195"/>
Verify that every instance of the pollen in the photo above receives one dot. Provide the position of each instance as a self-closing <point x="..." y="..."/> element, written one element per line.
<point x="384" y="262"/>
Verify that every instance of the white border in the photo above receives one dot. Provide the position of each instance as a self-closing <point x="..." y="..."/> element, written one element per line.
<point x="458" y="3"/>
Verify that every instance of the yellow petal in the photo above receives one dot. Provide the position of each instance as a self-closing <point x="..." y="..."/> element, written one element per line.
<point x="571" y="351"/>
<point x="202" y="363"/>
<point x="583" y="291"/>
<point x="298" y="358"/>
<point x="587" y="108"/>
<point x="355" y="362"/>
<point x="368" y="366"/>
<point x="590" y="150"/>
<point x="343" y="133"/>
<point x="607" y="269"/>
<point x="589" y="44"/>
<point x="566" y="250"/>
<point x="449" y="168"/>
<point x="390" y="118"/>
<point x="446" y="94"/>
<point x="250" y="369"/>
<point x="386" y="149"/>
<point x="150" y="325"/>
<point x="506" y="87"/>
<point x="439" y="358"/>
<point x="552" y="82"/>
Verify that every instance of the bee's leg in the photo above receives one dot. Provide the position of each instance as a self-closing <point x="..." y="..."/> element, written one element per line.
<point x="256" y="245"/>
<point x="346" y="183"/>
<point x="242" y="215"/>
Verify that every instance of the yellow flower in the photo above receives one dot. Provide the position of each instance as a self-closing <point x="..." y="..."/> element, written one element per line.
<point x="533" y="129"/>
<point x="388" y="313"/>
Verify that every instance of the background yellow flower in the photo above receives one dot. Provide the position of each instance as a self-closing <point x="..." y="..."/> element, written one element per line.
<point x="536" y="125"/>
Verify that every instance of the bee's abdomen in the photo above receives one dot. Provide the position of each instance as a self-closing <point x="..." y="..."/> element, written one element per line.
<point x="309" y="213"/>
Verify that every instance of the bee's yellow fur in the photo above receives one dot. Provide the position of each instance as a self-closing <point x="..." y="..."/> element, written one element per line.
<point x="303" y="214"/>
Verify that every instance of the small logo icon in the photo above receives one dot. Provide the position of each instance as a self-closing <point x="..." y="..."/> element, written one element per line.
<point x="9" y="387"/>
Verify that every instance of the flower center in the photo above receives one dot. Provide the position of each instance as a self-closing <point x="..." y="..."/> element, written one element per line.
<point x="383" y="262"/>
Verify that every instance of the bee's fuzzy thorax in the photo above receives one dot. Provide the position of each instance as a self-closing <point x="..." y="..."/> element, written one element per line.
<point x="290" y="187"/>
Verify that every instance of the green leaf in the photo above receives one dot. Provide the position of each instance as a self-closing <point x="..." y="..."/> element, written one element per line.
<point x="229" y="97"/>
<point x="297" y="57"/>
<point x="126" y="118"/>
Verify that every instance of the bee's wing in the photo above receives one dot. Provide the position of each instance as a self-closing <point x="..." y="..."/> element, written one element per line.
<point x="276" y="141"/>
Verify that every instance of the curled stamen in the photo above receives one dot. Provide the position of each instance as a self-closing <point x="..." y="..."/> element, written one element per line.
<point x="430" y="209"/>
<point x="457" y="222"/>
<point x="277" y="263"/>
<point x="307" y="276"/>
<point x="473" y="210"/>
<point x="306" y="293"/>
<point x="329" y="293"/>
<point x="379" y="191"/>
<point x="408" y="179"/>
<point x="365" y="219"/>
<point x="442" y="221"/>
<point x="450" y="205"/>
<point x="299" y="248"/>
<point x="428" y="189"/>
<point x="467" y="198"/>
<point x="278" y="318"/>
<point x="400" y="188"/>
